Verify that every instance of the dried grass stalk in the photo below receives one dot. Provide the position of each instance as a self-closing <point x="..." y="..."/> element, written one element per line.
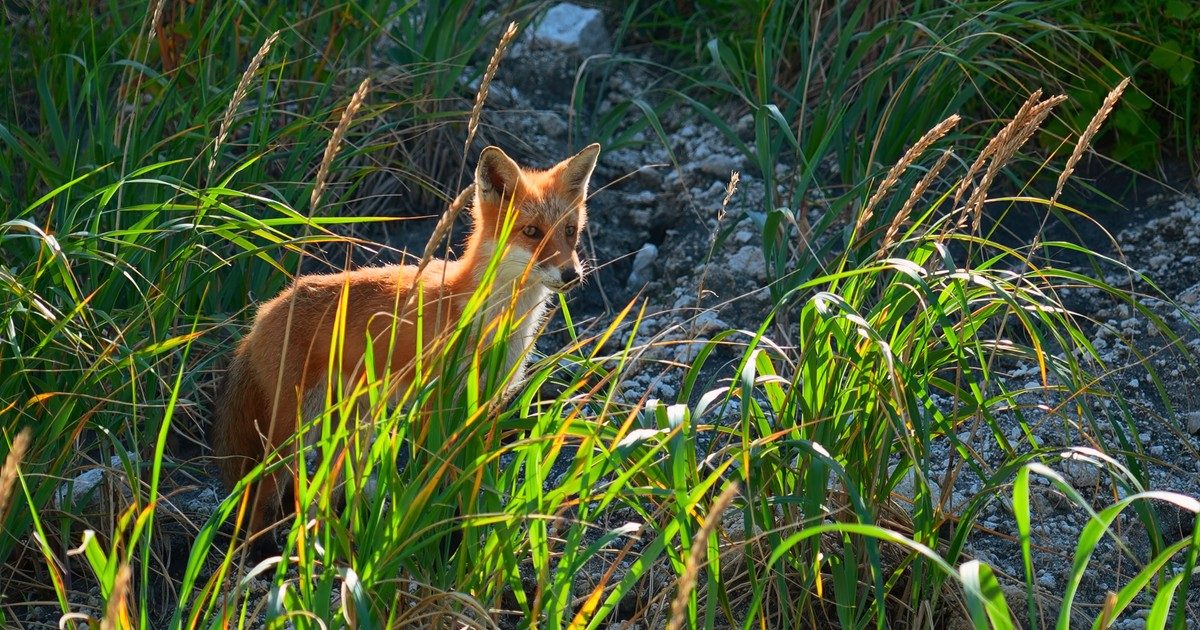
<point x="991" y="147"/>
<point x="730" y="188"/>
<point x="698" y="553"/>
<point x="1085" y="139"/>
<point x="1001" y="149"/>
<point x="335" y="141"/>
<point x="8" y="474"/>
<point x="910" y="156"/>
<point x="155" y="18"/>
<point x="734" y="179"/>
<point x="239" y="95"/>
<point x="486" y="82"/>
<point x="442" y="230"/>
<point x="918" y="191"/>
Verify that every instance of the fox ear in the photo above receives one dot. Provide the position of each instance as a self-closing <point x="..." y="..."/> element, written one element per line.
<point x="577" y="170"/>
<point x="496" y="175"/>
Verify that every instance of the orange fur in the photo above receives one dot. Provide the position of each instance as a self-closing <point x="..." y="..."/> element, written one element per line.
<point x="286" y="355"/>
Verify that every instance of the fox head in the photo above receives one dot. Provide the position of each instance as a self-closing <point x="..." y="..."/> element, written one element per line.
<point x="547" y="208"/>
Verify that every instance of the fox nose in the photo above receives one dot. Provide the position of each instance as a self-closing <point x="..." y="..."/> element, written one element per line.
<point x="569" y="275"/>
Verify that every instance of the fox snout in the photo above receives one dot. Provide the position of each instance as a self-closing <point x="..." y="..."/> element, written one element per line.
<point x="570" y="276"/>
<point x="563" y="278"/>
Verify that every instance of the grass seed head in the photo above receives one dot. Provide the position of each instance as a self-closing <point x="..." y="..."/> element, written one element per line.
<point x="335" y="141"/>
<point x="239" y="94"/>
<point x="1085" y="139"/>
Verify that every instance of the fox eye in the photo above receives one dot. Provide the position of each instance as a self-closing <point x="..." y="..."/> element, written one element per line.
<point x="532" y="231"/>
<point x="570" y="231"/>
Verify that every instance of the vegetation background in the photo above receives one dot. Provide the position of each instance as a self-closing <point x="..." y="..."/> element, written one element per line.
<point x="167" y="164"/>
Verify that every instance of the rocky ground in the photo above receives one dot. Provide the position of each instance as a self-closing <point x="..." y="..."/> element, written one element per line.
<point x="1160" y="238"/>
<point x="662" y="230"/>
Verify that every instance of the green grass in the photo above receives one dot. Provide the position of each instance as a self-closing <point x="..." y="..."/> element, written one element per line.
<point x="136" y="234"/>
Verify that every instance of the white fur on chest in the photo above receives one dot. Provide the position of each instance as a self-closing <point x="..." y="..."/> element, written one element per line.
<point x="528" y="311"/>
<point x="529" y="316"/>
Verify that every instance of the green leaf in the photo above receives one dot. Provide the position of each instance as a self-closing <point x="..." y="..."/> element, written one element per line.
<point x="985" y="598"/>
<point x="1165" y="55"/>
<point x="1157" y="619"/>
<point x="1177" y="10"/>
<point x="1181" y="73"/>
<point x="1137" y="99"/>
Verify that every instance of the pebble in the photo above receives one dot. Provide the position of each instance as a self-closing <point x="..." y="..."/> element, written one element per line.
<point x="645" y="198"/>
<point x="1046" y="580"/>
<point x="708" y="323"/>
<point x="553" y="124"/>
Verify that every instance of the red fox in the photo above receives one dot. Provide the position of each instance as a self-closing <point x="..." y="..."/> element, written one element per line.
<point x="282" y="365"/>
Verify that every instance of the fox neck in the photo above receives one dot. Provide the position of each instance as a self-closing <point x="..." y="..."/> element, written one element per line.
<point x="513" y="275"/>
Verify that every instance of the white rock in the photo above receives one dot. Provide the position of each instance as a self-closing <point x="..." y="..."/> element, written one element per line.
<point x="572" y="28"/>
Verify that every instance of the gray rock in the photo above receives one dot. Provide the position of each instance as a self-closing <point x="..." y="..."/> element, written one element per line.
<point x="720" y="166"/>
<point x="1191" y="294"/>
<point x="687" y="351"/>
<point x="708" y="323"/>
<point x="643" y="266"/>
<point x="650" y="176"/>
<point x="643" y="198"/>
<point x="1047" y="581"/>
<point x="79" y="490"/>
<point x="749" y="260"/>
<point x="572" y="28"/>
<point x="553" y="124"/>
<point x="1081" y="474"/>
<point x="1193" y="422"/>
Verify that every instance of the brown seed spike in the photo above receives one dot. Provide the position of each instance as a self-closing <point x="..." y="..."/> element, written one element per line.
<point x="910" y="156"/>
<point x="239" y="94"/>
<point x="1085" y="139"/>
<point x="335" y="141"/>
